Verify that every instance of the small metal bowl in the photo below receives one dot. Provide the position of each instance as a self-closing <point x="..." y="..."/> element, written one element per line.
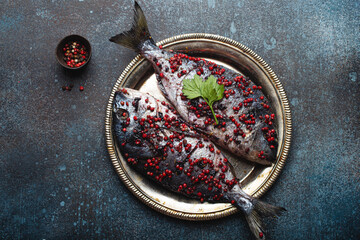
<point x="69" y="39"/>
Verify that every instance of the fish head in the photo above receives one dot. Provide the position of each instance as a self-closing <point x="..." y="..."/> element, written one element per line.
<point x="129" y="106"/>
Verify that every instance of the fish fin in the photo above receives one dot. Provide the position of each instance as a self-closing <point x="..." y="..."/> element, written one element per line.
<point x="137" y="35"/>
<point x="261" y="210"/>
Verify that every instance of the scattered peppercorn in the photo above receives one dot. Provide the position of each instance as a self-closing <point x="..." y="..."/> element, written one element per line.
<point x="67" y="88"/>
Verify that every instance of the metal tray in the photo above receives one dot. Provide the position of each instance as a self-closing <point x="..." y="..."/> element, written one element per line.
<point x="255" y="180"/>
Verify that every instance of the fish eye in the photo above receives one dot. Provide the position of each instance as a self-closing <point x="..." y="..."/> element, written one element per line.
<point x="122" y="114"/>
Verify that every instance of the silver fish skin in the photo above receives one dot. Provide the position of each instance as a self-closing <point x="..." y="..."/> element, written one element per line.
<point x="246" y="123"/>
<point x="159" y="144"/>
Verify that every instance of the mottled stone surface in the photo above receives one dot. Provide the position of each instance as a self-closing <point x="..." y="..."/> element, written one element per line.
<point x="56" y="178"/>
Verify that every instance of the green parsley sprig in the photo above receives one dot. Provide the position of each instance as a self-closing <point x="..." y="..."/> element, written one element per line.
<point x="209" y="90"/>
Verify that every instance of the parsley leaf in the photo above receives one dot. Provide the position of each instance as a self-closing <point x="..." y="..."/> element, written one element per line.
<point x="192" y="88"/>
<point x="209" y="90"/>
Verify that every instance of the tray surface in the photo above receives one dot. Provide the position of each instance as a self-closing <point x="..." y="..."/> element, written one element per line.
<point x="255" y="179"/>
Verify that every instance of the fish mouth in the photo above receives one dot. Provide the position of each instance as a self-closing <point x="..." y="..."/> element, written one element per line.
<point x="127" y="104"/>
<point x="121" y="96"/>
<point x="123" y="100"/>
<point x="121" y="106"/>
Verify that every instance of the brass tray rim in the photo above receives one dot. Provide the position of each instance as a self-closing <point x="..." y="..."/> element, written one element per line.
<point x="275" y="172"/>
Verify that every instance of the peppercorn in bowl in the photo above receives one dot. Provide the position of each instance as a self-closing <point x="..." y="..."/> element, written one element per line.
<point x="73" y="52"/>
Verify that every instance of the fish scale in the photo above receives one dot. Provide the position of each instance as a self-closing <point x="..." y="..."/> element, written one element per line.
<point x="159" y="144"/>
<point x="171" y="152"/>
<point x="251" y="136"/>
<point x="252" y="144"/>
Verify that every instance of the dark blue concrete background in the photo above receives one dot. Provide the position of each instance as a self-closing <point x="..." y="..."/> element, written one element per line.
<point x="56" y="178"/>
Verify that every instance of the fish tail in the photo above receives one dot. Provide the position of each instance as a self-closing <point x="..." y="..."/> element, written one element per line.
<point x="260" y="211"/>
<point x="137" y="35"/>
